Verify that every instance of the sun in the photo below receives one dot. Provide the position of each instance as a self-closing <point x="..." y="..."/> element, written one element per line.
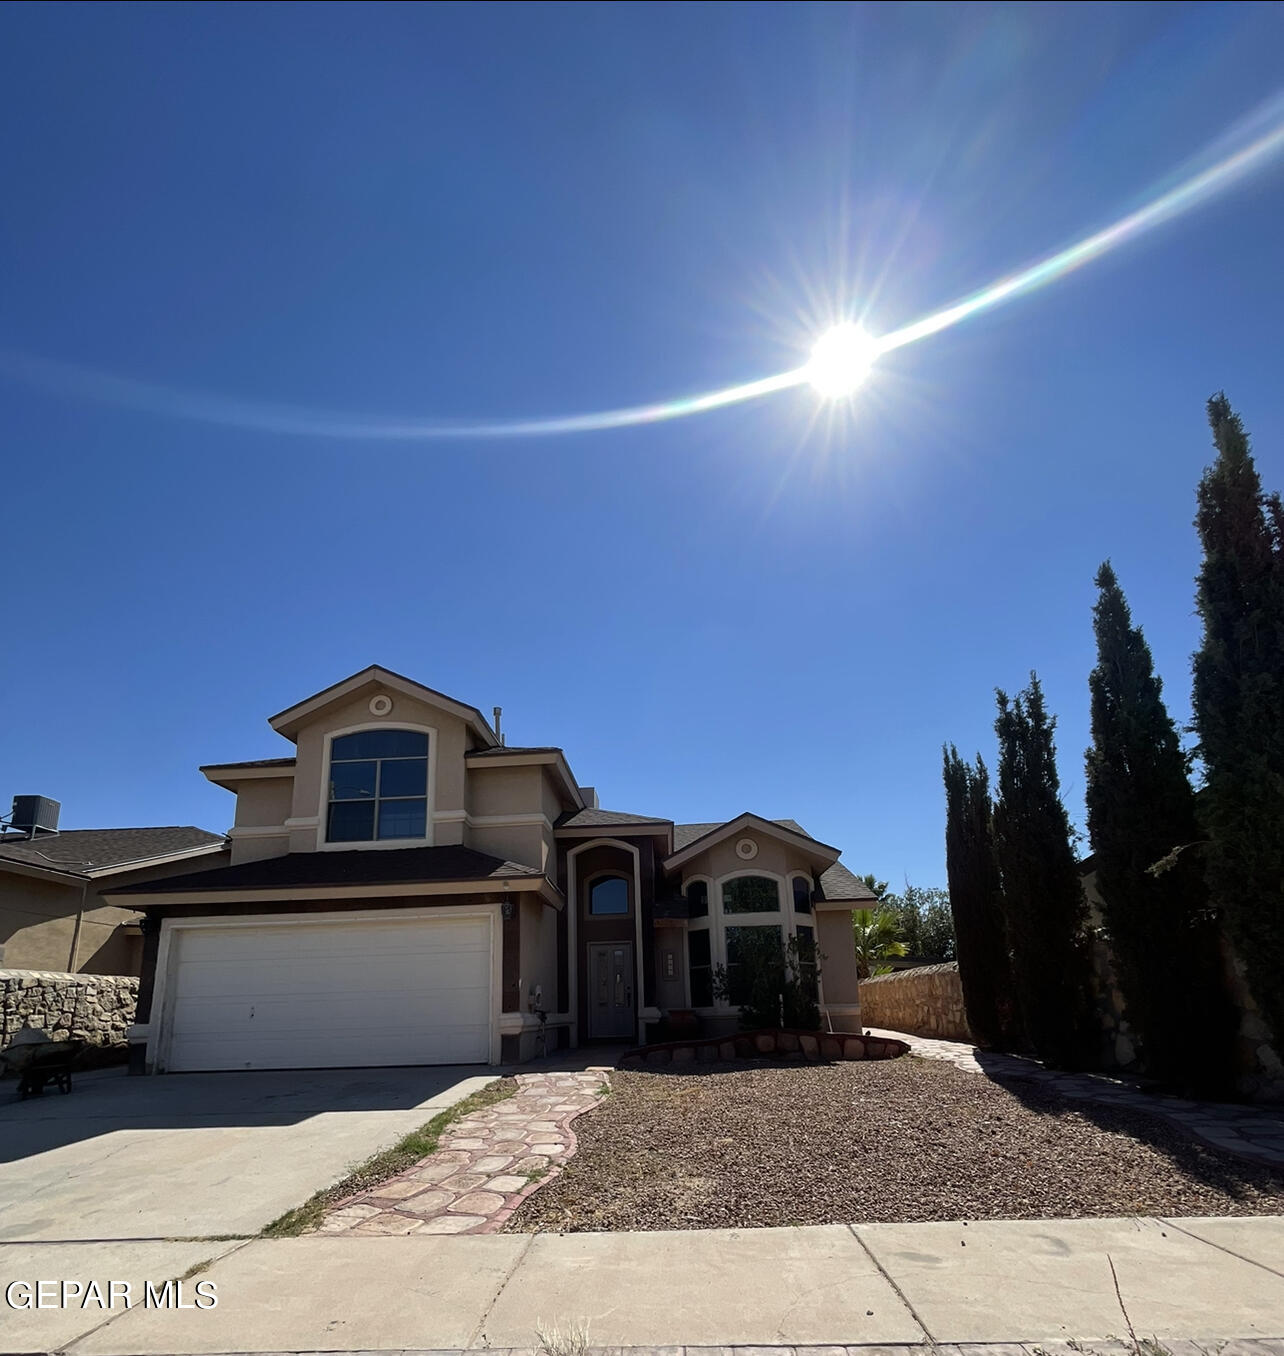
<point x="841" y="360"/>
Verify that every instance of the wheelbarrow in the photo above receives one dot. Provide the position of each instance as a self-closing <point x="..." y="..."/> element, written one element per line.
<point x="40" y="1062"/>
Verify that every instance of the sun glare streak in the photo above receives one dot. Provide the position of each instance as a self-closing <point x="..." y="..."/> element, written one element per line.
<point x="841" y="360"/>
<point x="1185" y="196"/>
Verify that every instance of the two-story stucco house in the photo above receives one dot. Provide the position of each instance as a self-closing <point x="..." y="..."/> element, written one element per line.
<point x="407" y="890"/>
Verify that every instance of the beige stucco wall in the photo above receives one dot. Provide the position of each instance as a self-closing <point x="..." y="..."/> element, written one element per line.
<point x="838" y="982"/>
<point x="262" y="803"/>
<point x="38" y="926"/>
<point x="522" y="843"/>
<point x="774" y="858"/>
<point x="500" y="790"/>
<point x="538" y="951"/>
<point x="38" y="920"/>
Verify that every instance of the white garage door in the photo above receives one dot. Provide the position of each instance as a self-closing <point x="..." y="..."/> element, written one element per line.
<point x="329" y="995"/>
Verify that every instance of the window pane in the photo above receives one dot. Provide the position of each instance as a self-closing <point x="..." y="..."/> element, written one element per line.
<point x="381" y="744"/>
<point x="404" y="777"/>
<point x="802" y="895"/>
<point x="750" y="894"/>
<point x="402" y="818"/>
<point x="737" y="938"/>
<point x="610" y="896"/>
<point x="698" y="899"/>
<point x="352" y="781"/>
<point x="351" y="821"/>
<point x="700" y="969"/>
<point x="807" y="960"/>
<point x="698" y="946"/>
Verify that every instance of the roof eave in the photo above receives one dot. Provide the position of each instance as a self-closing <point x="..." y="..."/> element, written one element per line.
<point x="158" y="859"/>
<point x="42" y="872"/>
<point x="285" y="894"/>
<point x="230" y="775"/>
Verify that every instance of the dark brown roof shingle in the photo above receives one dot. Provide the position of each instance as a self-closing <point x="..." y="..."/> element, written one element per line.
<point x="81" y="851"/>
<point x="299" y="870"/>
<point x="594" y="819"/>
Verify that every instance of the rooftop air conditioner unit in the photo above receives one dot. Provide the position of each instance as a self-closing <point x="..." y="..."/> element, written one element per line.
<point x="34" y="815"/>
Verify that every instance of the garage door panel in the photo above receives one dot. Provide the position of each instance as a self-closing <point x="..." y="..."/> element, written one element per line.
<point x="334" y="994"/>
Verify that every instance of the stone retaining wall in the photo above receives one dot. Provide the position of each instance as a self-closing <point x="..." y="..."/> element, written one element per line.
<point x="924" y="1001"/>
<point x="810" y="1045"/>
<point x="94" y="1008"/>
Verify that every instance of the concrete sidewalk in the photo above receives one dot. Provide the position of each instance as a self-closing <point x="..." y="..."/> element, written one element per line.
<point x="890" y="1284"/>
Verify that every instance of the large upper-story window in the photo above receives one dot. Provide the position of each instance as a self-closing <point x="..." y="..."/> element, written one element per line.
<point x="378" y="786"/>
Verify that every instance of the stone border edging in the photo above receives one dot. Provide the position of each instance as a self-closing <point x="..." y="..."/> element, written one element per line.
<point x="808" y="1045"/>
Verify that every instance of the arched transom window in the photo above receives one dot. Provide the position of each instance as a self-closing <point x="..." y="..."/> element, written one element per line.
<point x="609" y="896"/>
<point x="378" y="786"/>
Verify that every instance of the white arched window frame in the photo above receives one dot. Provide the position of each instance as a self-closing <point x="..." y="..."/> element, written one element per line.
<point x="378" y="844"/>
<point x="781" y="917"/>
<point x="704" y="926"/>
<point x="810" y="884"/>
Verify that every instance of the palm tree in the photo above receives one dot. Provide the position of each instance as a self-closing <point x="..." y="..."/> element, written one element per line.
<point x="877" y="943"/>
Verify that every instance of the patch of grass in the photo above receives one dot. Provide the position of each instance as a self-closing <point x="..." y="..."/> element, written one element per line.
<point x="418" y="1144"/>
<point x="554" y="1342"/>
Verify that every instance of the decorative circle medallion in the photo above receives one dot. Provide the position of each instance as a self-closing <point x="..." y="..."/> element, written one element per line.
<point x="380" y="705"/>
<point x="746" y="849"/>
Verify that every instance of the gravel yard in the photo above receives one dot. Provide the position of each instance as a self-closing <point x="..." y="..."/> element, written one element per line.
<point x="757" y="1144"/>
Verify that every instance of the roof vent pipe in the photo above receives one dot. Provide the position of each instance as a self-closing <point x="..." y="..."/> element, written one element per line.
<point x="499" y="711"/>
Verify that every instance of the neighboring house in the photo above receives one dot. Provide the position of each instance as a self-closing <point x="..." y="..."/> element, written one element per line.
<point x="407" y="890"/>
<point x="52" y="914"/>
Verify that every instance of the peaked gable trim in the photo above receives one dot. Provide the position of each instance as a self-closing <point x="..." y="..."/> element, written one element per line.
<point x="289" y="721"/>
<point x="749" y="820"/>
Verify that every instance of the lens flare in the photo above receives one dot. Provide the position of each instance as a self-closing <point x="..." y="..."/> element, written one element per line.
<point x="839" y="362"/>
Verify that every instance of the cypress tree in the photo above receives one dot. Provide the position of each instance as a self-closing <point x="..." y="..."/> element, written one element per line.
<point x="980" y="938"/>
<point x="1043" y="900"/>
<point x="1239" y="706"/>
<point x="1163" y="935"/>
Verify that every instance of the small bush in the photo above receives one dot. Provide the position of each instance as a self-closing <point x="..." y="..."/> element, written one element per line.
<point x="774" y="983"/>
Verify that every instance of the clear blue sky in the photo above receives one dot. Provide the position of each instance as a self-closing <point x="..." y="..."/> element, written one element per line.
<point x="474" y="211"/>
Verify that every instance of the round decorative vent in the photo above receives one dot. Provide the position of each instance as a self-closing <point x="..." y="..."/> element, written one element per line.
<point x="746" y="849"/>
<point x="380" y="705"/>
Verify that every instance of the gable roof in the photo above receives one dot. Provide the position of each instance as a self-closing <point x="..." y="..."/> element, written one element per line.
<point x="686" y="834"/>
<point x="698" y="837"/>
<point x="603" y="819"/>
<point x="91" y="852"/>
<point x="287" y="722"/>
<point x="837" y="883"/>
<point x="295" y="870"/>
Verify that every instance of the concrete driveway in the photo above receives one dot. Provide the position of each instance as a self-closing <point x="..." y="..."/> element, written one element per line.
<point x="199" y="1155"/>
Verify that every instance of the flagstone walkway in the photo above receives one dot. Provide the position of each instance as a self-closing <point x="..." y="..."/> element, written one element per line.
<point x="1254" y="1132"/>
<point x="485" y="1165"/>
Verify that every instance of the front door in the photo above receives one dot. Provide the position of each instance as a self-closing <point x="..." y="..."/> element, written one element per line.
<point x="611" y="1012"/>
